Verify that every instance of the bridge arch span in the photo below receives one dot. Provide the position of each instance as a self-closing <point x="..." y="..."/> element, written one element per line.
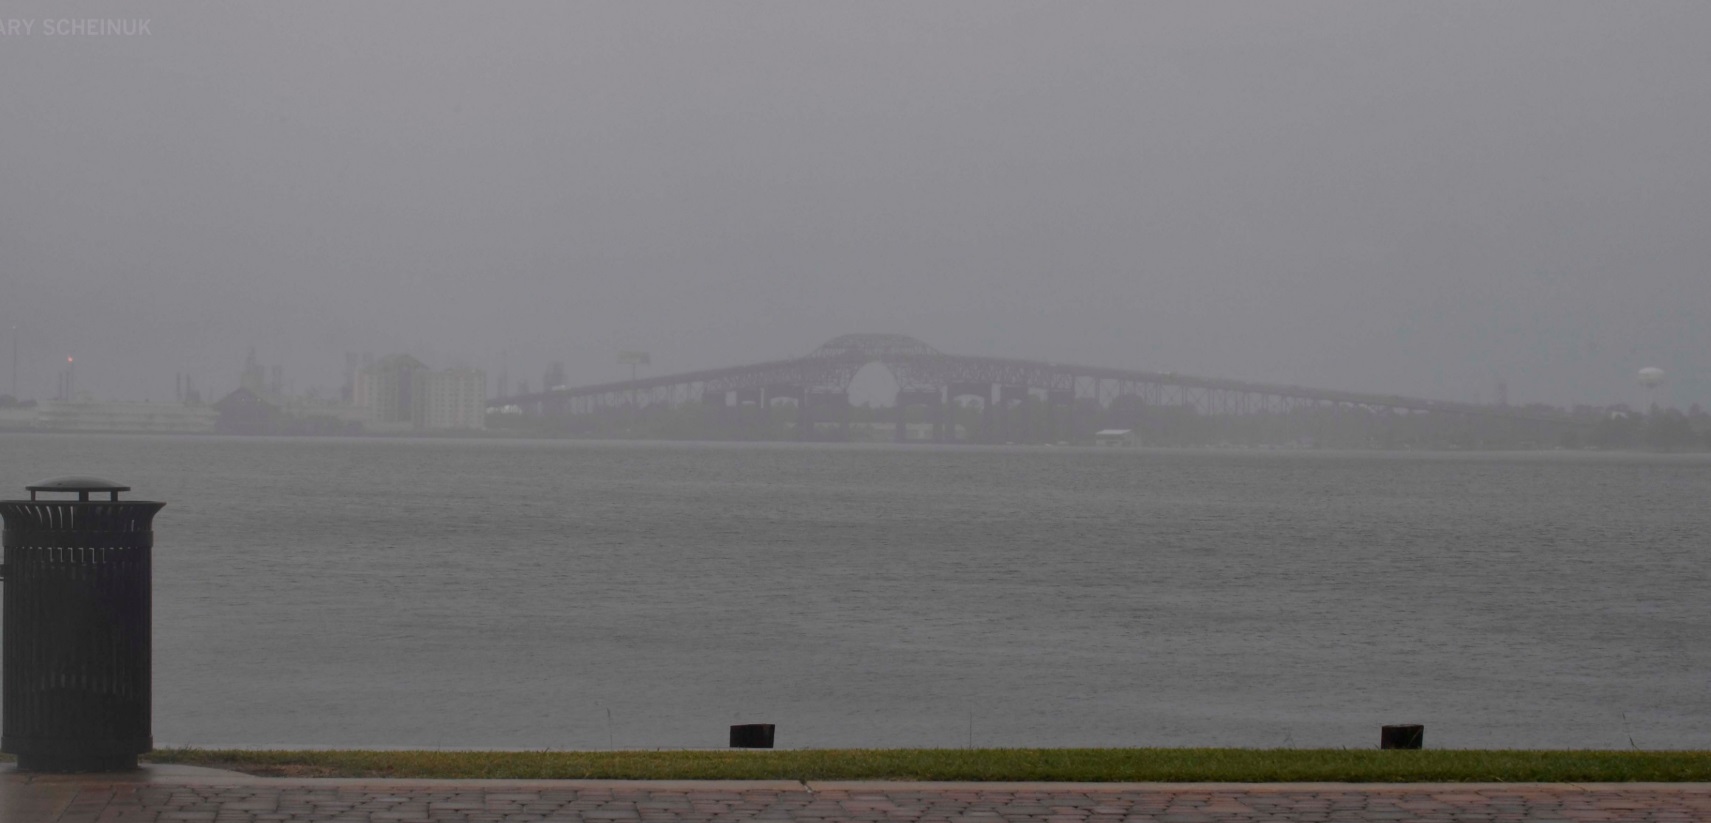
<point x="1035" y="393"/>
<point x="874" y="347"/>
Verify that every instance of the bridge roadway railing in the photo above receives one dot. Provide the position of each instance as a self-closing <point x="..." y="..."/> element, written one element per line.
<point x="728" y="373"/>
<point x="915" y="371"/>
<point x="1024" y="372"/>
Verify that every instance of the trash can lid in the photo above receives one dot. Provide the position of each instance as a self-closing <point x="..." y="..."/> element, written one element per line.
<point x="82" y="486"/>
<point x="77" y="484"/>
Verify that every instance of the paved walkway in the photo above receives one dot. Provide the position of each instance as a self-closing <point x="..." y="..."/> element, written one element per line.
<point x="181" y="794"/>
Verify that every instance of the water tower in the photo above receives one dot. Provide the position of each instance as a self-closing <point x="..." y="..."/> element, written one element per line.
<point x="1651" y="378"/>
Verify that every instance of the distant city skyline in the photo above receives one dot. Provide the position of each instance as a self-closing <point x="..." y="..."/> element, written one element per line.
<point x="1650" y="384"/>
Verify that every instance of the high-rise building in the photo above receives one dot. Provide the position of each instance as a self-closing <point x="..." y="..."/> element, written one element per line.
<point x="455" y="399"/>
<point x="253" y="375"/>
<point x="401" y="392"/>
<point x="347" y="392"/>
<point x="391" y="388"/>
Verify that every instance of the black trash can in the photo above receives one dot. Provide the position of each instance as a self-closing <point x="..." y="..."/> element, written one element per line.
<point x="77" y="630"/>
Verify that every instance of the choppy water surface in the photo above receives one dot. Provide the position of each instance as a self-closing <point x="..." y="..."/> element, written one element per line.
<point x="576" y="595"/>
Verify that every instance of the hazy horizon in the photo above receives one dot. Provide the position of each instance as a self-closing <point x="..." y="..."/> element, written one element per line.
<point x="1407" y="198"/>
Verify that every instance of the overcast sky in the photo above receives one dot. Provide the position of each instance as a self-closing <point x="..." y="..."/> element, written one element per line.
<point x="1406" y="197"/>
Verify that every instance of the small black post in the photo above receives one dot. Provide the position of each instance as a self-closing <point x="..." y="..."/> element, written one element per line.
<point x="1409" y="736"/>
<point x="752" y="736"/>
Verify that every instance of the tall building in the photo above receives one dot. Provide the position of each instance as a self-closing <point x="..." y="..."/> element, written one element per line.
<point x="455" y="399"/>
<point x="402" y="393"/>
<point x="391" y="388"/>
<point x="253" y="375"/>
<point x="347" y="392"/>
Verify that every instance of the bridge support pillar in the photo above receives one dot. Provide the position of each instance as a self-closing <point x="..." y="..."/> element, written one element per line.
<point x="1013" y="423"/>
<point x="1060" y="415"/>
<point x="982" y="431"/>
<point x="777" y="391"/>
<point x="931" y="398"/>
<point x="749" y="412"/>
<point x="823" y="407"/>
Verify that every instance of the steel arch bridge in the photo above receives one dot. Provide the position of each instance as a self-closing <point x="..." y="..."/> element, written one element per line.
<point x="928" y="377"/>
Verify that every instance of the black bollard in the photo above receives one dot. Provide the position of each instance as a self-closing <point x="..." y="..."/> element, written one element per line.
<point x="752" y="736"/>
<point x="1410" y="736"/>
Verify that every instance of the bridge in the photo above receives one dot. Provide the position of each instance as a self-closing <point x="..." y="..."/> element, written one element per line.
<point x="817" y="385"/>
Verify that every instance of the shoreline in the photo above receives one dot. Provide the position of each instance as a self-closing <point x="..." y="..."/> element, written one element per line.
<point x="506" y="437"/>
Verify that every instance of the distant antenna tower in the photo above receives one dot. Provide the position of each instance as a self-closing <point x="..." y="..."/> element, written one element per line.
<point x="633" y="359"/>
<point x="1502" y="392"/>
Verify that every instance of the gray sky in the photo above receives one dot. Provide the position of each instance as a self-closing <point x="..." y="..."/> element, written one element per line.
<point x="1404" y="197"/>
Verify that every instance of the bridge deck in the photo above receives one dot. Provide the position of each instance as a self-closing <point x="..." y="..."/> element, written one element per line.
<point x="834" y="371"/>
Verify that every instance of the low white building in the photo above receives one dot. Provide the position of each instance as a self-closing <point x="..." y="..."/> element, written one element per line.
<point x="1116" y="437"/>
<point x="18" y="417"/>
<point x="165" y="418"/>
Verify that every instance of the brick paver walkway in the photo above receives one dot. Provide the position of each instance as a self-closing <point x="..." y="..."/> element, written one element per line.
<point x="167" y="798"/>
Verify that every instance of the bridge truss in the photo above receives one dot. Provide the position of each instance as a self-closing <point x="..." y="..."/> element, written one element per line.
<point x="927" y="377"/>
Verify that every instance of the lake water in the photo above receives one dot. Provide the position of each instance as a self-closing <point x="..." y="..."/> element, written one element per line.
<point x="583" y="595"/>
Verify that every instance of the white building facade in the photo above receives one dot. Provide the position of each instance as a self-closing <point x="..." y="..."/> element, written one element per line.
<point x="163" y="418"/>
<point x="402" y="395"/>
<point x="455" y="399"/>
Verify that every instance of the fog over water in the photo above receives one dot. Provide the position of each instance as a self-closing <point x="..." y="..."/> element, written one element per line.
<point x="1391" y="197"/>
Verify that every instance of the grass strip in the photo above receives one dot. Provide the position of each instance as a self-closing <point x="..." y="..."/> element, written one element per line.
<point x="1057" y="765"/>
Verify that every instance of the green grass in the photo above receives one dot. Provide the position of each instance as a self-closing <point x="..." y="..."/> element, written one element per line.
<point x="1081" y="765"/>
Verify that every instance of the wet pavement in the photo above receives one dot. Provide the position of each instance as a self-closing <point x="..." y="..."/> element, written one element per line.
<point x="182" y="794"/>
